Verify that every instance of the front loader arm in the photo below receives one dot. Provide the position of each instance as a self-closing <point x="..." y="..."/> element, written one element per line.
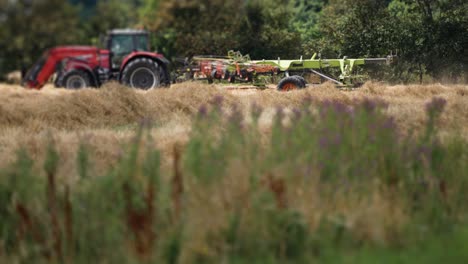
<point x="41" y="71"/>
<point x="46" y="66"/>
<point x="44" y="73"/>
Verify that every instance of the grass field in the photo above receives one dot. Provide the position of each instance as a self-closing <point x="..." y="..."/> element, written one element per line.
<point x="201" y="174"/>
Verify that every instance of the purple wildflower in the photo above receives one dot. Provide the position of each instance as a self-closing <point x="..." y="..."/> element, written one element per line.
<point x="328" y="140"/>
<point x="279" y="113"/>
<point x="339" y="107"/>
<point x="324" y="109"/>
<point x="337" y="140"/>
<point x="336" y="110"/>
<point x="436" y="106"/>
<point x="424" y="152"/>
<point x="236" y="116"/>
<point x="389" y="124"/>
<point x="145" y="123"/>
<point x="297" y="113"/>
<point x="202" y="111"/>
<point x="217" y="101"/>
<point x="370" y="105"/>
<point x="307" y="101"/>
<point x="256" y="110"/>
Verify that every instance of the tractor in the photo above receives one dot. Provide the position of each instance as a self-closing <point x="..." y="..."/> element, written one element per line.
<point x="127" y="59"/>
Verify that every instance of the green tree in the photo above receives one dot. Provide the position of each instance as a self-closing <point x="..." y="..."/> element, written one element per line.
<point x="185" y="28"/>
<point x="357" y="28"/>
<point x="306" y="16"/>
<point x="266" y="31"/>
<point x="28" y="28"/>
<point x="111" y="14"/>
<point x="305" y="21"/>
<point x="444" y="28"/>
<point x="429" y="35"/>
<point x="147" y="10"/>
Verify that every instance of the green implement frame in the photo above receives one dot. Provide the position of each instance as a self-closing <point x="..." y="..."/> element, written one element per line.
<point x="345" y="65"/>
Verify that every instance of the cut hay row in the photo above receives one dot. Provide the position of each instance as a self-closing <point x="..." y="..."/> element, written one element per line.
<point x="115" y="105"/>
<point x="106" y="118"/>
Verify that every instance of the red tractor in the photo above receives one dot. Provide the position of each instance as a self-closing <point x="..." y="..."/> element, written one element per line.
<point x="127" y="59"/>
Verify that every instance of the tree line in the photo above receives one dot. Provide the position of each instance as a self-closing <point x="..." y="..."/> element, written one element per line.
<point x="430" y="37"/>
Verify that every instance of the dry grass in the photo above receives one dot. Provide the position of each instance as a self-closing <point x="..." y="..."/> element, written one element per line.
<point x="105" y="119"/>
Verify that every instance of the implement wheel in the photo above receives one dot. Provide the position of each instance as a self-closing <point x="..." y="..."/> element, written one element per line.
<point x="303" y="81"/>
<point x="290" y="83"/>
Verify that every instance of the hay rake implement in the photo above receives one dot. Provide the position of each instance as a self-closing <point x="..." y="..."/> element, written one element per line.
<point x="237" y="68"/>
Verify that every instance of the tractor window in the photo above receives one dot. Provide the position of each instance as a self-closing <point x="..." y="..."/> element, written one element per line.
<point x="122" y="44"/>
<point x="142" y="43"/>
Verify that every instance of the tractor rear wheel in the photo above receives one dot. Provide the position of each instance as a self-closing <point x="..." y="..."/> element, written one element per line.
<point x="143" y="73"/>
<point x="290" y="83"/>
<point x="73" y="80"/>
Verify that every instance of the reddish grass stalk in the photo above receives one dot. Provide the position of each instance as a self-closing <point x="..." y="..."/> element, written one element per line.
<point x="177" y="185"/>
<point x="443" y="189"/>
<point x="140" y="223"/>
<point x="151" y="217"/>
<point x="28" y="224"/>
<point x="68" y="224"/>
<point x="278" y="188"/>
<point x="150" y="201"/>
<point x="52" y="202"/>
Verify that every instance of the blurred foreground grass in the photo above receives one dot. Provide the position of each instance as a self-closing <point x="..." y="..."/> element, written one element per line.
<point x="328" y="183"/>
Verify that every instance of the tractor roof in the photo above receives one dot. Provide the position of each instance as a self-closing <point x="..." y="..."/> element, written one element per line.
<point x="127" y="31"/>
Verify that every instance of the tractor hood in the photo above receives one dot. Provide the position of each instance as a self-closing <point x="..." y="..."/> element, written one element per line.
<point x="72" y="51"/>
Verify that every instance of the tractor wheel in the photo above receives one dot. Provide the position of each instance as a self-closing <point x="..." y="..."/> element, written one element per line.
<point x="73" y="80"/>
<point x="143" y="73"/>
<point x="290" y="83"/>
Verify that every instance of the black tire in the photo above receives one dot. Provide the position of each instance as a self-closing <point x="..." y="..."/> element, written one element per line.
<point x="290" y="83"/>
<point x="303" y="81"/>
<point x="214" y="75"/>
<point x="209" y="79"/>
<point x="144" y="73"/>
<point x="246" y="76"/>
<point x="249" y="77"/>
<point x="226" y="75"/>
<point x="73" y="80"/>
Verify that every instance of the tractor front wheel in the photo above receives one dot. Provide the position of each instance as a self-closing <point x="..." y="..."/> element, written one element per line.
<point x="142" y="73"/>
<point x="290" y="83"/>
<point x="73" y="80"/>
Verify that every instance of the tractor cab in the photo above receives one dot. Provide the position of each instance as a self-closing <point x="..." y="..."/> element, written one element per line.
<point x="121" y="42"/>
